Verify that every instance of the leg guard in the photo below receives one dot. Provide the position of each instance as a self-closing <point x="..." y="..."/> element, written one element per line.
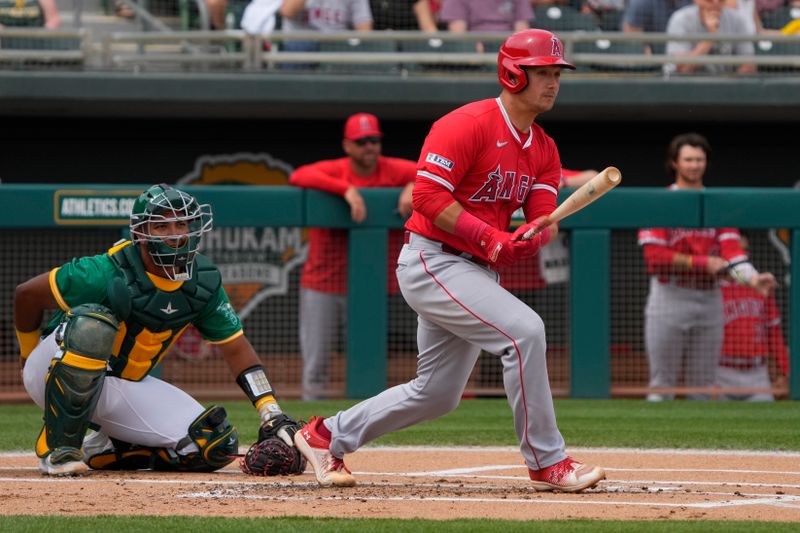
<point x="215" y="438"/>
<point x="75" y="379"/>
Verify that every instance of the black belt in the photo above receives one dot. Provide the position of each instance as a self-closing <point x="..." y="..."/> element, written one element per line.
<point x="446" y="248"/>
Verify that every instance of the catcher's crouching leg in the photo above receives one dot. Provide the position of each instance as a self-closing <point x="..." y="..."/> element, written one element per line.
<point x="73" y="386"/>
<point x="213" y="438"/>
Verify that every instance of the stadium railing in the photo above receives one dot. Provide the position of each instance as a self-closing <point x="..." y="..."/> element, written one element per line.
<point x="239" y="51"/>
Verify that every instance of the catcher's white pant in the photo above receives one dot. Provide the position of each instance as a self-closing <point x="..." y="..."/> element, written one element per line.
<point x="462" y="309"/>
<point x="150" y="412"/>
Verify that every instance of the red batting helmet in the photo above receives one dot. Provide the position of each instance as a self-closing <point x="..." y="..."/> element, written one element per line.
<point x="527" y="48"/>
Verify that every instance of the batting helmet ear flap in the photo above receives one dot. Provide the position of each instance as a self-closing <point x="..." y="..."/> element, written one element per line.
<point x="511" y="76"/>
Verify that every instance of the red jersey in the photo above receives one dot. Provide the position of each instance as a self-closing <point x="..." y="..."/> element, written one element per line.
<point x="325" y="270"/>
<point x="490" y="167"/>
<point x="662" y="244"/>
<point x="752" y="326"/>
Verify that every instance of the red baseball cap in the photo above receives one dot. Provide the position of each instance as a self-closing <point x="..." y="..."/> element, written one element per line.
<point x="362" y="125"/>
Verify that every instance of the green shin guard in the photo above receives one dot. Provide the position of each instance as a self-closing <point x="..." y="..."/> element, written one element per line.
<point x="76" y="376"/>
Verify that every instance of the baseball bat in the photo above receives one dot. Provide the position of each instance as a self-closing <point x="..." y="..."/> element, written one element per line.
<point x="583" y="196"/>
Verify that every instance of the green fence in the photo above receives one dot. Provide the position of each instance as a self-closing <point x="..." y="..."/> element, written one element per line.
<point x="50" y="206"/>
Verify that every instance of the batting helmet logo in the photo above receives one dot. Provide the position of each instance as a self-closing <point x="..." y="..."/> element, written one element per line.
<point x="528" y="48"/>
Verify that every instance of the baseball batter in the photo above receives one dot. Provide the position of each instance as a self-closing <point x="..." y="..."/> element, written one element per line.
<point x="478" y="164"/>
<point x="683" y="316"/>
<point x="116" y="316"/>
<point x="323" y="284"/>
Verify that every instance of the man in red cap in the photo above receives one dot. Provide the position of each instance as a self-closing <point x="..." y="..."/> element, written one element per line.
<point x="323" y="284"/>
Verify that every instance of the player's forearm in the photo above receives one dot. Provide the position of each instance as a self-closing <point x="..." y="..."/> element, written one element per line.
<point x="31" y="298"/>
<point x="290" y="8"/>
<point x="311" y="178"/>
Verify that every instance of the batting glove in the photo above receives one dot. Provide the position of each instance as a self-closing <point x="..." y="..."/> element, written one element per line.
<point x="497" y="246"/>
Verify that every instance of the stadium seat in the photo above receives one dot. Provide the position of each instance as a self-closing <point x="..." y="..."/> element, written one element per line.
<point x="766" y="47"/>
<point x="563" y="18"/>
<point x="778" y="18"/>
<point x="438" y="46"/>
<point x="611" y="19"/>
<point x="358" y="45"/>
<point x="607" y="46"/>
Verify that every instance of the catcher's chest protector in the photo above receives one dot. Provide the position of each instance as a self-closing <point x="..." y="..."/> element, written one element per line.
<point x="157" y="316"/>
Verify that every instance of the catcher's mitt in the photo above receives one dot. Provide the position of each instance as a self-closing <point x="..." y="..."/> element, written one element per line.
<point x="272" y="457"/>
<point x="281" y="427"/>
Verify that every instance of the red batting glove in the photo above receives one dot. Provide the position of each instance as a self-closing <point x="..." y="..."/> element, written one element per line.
<point x="536" y="226"/>
<point x="498" y="246"/>
<point x="531" y="247"/>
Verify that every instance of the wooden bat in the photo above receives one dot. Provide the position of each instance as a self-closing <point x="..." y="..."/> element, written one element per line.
<point x="583" y="196"/>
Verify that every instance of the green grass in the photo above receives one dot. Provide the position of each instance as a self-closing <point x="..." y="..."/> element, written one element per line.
<point x="176" y="524"/>
<point x="488" y="422"/>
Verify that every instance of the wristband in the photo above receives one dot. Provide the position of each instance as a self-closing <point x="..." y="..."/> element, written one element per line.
<point x="28" y="340"/>
<point x="469" y="227"/>
<point x="255" y="385"/>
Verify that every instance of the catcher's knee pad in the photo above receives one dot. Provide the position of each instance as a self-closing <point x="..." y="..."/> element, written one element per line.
<point x="212" y="434"/>
<point x="216" y="439"/>
<point x="75" y="379"/>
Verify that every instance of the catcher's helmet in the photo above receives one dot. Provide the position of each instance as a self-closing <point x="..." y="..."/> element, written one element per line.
<point x="527" y="48"/>
<point x="174" y="253"/>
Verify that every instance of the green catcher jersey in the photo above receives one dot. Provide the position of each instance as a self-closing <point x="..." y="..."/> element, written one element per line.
<point x="160" y="308"/>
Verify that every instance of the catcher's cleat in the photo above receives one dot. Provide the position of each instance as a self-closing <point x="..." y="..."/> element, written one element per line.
<point x="329" y="469"/>
<point x="568" y="475"/>
<point x="63" y="461"/>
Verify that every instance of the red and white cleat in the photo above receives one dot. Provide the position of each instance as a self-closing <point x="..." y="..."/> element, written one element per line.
<point x="329" y="469"/>
<point x="568" y="475"/>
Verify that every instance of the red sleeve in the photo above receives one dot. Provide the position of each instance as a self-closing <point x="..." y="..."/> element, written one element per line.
<point x="660" y="259"/>
<point x="448" y="150"/>
<point x="777" y="345"/>
<point x="730" y="247"/>
<point x="324" y="176"/>
<point x="429" y="199"/>
<point x="544" y="193"/>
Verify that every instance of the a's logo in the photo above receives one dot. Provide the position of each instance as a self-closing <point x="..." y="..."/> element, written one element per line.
<point x="168" y="310"/>
<point x="501" y="144"/>
<point x="256" y="262"/>
<point x="556" y="50"/>
<point x="439" y="161"/>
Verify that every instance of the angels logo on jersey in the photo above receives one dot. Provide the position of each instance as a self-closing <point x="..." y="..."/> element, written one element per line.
<point x="501" y="185"/>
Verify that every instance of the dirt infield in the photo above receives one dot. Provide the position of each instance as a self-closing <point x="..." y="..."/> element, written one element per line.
<point x="435" y="483"/>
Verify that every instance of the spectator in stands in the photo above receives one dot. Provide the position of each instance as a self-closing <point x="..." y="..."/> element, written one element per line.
<point x="29" y="13"/>
<point x="323" y="16"/>
<point x="323" y="303"/>
<point x="753" y="333"/>
<point x="403" y="15"/>
<point x="479" y="15"/>
<point x="711" y="17"/>
<point x="747" y="10"/>
<point x="605" y="10"/>
<point x="650" y="16"/>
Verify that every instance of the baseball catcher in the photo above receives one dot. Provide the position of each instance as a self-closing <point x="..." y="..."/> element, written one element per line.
<point x="116" y="315"/>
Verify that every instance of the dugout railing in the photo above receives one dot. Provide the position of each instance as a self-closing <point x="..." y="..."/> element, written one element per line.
<point x="34" y="216"/>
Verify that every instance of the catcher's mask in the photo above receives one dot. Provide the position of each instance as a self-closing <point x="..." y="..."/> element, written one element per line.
<point x="164" y="204"/>
<point x="528" y="48"/>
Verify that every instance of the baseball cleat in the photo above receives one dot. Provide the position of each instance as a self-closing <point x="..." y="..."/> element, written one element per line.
<point x="568" y="475"/>
<point x="64" y="461"/>
<point x="329" y="469"/>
